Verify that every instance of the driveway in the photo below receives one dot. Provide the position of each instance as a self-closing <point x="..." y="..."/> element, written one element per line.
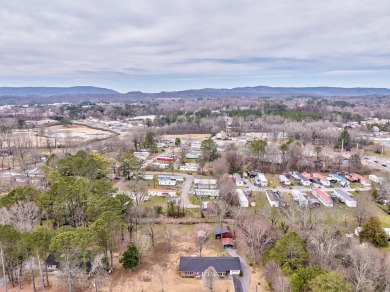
<point x="237" y="284"/>
<point x="246" y="273"/>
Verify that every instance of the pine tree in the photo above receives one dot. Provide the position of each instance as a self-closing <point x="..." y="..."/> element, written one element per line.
<point x="372" y="232"/>
<point x="130" y="258"/>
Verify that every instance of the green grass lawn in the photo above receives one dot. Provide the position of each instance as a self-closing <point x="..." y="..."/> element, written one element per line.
<point x="156" y="201"/>
<point x="372" y="153"/>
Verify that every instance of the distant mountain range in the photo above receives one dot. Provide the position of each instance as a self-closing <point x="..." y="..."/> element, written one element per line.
<point x="320" y="91"/>
<point x="31" y="95"/>
<point x="53" y="91"/>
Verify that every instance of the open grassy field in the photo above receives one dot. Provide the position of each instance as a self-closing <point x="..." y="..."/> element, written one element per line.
<point x="199" y="137"/>
<point x="145" y="277"/>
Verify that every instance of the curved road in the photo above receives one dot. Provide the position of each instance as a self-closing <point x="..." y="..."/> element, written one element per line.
<point x="186" y="187"/>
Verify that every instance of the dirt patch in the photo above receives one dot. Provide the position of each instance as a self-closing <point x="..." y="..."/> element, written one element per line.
<point x="78" y="128"/>
<point x="160" y="262"/>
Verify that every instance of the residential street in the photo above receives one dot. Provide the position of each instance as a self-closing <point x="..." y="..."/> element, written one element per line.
<point x="186" y="187"/>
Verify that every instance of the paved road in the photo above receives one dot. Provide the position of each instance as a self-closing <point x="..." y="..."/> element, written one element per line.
<point x="246" y="273"/>
<point x="186" y="187"/>
<point x="370" y="161"/>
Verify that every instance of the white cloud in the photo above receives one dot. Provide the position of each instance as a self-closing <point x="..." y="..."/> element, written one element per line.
<point x="73" y="41"/>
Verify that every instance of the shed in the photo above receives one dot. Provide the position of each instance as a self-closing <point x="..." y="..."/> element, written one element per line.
<point x="227" y="243"/>
<point x="223" y="232"/>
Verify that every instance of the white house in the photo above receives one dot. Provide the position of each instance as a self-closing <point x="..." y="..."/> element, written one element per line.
<point x="205" y="181"/>
<point x="345" y="197"/>
<point x="284" y="180"/>
<point x="178" y="178"/>
<point x="300" y="197"/>
<point x="189" y="167"/>
<point x="376" y="179"/>
<point x="166" y="182"/>
<point x="206" y="193"/>
<point x="323" y="197"/>
<point x="303" y="180"/>
<point x="272" y="199"/>
<point x="148" y="176"/>
<point x="239" y="181"/>
<point x="261" y="180"/>
<point x="193" y="155"/>
<point x="340" y="180"/>
<point x="242" y="199"/>
<point x="160" y="165"/>
<point x="323" y="180"/>
<point x="162" y="193"/>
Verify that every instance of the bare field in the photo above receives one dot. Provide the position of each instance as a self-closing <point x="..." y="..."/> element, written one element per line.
<point x="146" y="276"/>
<point x="79" y="128"/>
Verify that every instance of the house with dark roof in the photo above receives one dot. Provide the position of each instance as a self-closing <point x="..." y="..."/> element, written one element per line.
<point x="223" y="232"/>
<point x="51" y="262"/>
<point x="195" y="266"/>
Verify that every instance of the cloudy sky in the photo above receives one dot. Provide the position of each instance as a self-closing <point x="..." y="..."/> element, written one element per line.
<point x="154" y="45"/>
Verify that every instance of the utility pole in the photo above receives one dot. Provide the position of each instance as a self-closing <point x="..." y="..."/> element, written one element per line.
<point x="342" y="146"/>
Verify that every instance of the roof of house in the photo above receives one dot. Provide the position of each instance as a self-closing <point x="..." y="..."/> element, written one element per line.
<point x="358" y="176"/>
<point x="51" y="260"/>
<point x="319" y="176"/>
<point x="339" y="177"/>
<point x="324" y="196"/>
<point x="227" y="241"/>
<point x="220" y="230"/>
<point x="346" y="195"/>
<point x="200" y="264"/>
<point x="301" y="176"/>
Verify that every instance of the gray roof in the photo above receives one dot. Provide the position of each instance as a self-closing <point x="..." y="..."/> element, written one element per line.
<point x="200" y="264"/>
<point x="224" y="229"/>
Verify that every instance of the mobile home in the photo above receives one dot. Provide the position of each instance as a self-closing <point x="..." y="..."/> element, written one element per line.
<point x="345" y="197"/>
<point x="284" y="180"/>
<point x="242" y="199"/>
<point x="323" y="180"/>
<point x="273" y="200"/>
<point x="323" y="197"/>
<point x="261" y="180"/>
<point x="340" y="180"/>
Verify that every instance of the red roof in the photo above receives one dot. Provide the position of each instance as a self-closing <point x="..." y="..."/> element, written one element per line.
<point x="359" y="177"/>
<point x="324" y="196"/>
<point x="319" y="176"/>
<point x="227" y="241"/>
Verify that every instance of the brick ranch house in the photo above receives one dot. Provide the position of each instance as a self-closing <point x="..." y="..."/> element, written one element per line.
<point x="191" y="267"/>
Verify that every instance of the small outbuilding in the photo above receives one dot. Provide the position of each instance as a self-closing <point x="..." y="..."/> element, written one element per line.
<point x="223" y="232"/>
<point x="227" y="243"/>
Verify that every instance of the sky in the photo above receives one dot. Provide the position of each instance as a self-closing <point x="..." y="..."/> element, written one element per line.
<point x="165" y="45"/>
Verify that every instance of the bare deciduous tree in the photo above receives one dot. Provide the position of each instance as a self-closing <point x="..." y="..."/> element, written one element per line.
<point x="209" y="277"/>
<point x="202" y="233"/>
<point x="169" y="230"/>
<point x="258" y="235"/>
